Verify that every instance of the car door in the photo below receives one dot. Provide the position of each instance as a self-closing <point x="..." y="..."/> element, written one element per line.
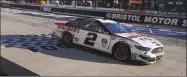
<point x="93" y="35"/>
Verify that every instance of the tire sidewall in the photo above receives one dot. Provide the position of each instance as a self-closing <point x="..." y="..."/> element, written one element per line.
<point x="128" y="52"/>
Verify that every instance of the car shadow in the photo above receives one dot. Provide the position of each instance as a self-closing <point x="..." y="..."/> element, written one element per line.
<point x="47" y="45"/>
<point x="9" y="68"/>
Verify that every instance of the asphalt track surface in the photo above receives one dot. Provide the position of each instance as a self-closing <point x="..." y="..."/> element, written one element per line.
<point x="25" y="41"/>
<point x="2" y="74"/>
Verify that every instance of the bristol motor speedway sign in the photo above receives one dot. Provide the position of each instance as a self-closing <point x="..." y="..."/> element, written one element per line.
<point x="171" y="21"/>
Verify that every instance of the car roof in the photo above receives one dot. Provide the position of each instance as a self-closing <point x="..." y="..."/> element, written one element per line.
<point x="97" y="19"/>
<point x="106" y="21"/>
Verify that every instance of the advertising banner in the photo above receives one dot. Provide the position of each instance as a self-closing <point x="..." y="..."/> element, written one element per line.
<point x="135" y="18"/>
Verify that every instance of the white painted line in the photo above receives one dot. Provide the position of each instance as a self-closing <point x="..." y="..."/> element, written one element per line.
<point x="172" y="34"/>
<point x="49" y="15"/>
<point x="163" y="30"/>
<point x="36" y="13"/>
<point x="179" y="32"/>
<point x="140" y="29"/>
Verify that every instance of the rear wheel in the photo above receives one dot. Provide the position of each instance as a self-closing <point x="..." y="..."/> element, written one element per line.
<point x="122" y="52"/>
<point x="67" y="39"/>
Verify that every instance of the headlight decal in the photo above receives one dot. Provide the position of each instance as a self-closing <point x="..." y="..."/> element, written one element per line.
<point x="142" y="48"/>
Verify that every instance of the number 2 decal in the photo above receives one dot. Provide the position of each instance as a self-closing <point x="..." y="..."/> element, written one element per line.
<point x="90" y="40"/>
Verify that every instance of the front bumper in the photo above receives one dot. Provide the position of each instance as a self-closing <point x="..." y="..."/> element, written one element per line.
<point x="148" y="58"/>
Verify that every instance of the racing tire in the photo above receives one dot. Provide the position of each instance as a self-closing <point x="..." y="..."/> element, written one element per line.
<point x="67" y="39"/>
<point x="122" y="52"/>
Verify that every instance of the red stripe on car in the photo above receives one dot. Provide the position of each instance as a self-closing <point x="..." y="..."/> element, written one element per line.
<point x="60" y="22"/>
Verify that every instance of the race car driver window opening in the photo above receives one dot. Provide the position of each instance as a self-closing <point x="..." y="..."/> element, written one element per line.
<point x="75" y="23"/>
<point x="93" y="26"/>
<point x="115" y="28"/>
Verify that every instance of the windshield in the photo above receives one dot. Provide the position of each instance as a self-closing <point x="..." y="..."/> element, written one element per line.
<point x="115" y="28"/>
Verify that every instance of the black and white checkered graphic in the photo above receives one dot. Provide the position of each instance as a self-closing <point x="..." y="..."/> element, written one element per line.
<point x="33" y="42"/>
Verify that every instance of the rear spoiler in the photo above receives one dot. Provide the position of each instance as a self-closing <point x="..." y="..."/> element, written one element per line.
<point x="60" y="22"/>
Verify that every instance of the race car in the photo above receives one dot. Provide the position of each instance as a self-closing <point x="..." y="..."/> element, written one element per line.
<point x="110" y="37"/>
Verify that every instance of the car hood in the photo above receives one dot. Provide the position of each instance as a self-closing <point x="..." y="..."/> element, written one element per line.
<point x="141" y="39"/>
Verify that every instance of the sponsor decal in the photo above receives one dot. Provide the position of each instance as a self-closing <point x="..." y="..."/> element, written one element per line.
<point x="76" y="39"/>
<point x="104" y="41"/>
<point x="103" y="45"/>
<point x="68" y="28"/>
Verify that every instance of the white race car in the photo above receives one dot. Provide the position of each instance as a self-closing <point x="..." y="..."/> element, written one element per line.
<point x="110" y="37"/>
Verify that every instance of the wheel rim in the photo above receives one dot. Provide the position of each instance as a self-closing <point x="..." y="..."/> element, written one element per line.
<point x="121" y="52"/>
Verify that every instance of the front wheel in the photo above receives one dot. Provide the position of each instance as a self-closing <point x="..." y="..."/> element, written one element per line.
<point x="122" y="52"/>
